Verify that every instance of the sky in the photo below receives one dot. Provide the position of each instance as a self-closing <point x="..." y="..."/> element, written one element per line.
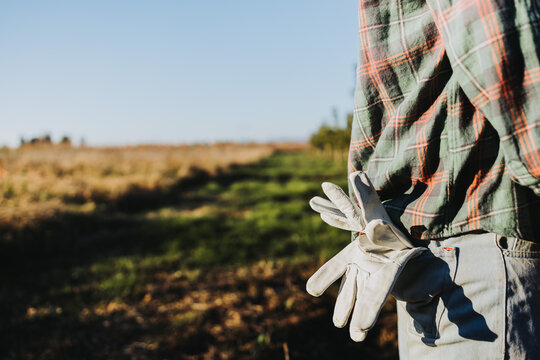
<point x="184" y="71"/>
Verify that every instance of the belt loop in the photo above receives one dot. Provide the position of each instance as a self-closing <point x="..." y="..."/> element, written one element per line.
<point x="514" y="246"/>
<point x="512" y="243"/>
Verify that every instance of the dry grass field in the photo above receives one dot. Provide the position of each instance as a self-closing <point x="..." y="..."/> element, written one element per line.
<point x="155" y="252"/>
<point x="38" y="180"/>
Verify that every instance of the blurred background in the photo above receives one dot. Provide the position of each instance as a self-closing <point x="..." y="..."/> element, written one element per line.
<point x="156" y="163"/>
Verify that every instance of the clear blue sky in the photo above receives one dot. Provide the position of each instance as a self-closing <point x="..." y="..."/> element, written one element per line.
<point x="164" y="71"/>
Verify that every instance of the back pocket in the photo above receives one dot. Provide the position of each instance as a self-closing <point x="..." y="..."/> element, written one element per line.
<point x="420" y="286"/>
<point x="522" y="261"/>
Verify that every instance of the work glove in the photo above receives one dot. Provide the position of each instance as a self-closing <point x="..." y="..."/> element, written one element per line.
<point x="370" y="264"/>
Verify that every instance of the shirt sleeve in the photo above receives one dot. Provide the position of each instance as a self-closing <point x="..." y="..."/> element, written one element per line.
<point x="491" y="45"/>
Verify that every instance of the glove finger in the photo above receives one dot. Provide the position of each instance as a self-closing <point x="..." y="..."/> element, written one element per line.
<point x="332" y="270"/>
<point x="367" y="197"/>
<point x="324" y="206"/>
<point x="361" y="312"/>
<point x="339" y="223"/>
<point x="346" y="297"/>
<point x="343" y="202"/>
<point x="358" y="335"/>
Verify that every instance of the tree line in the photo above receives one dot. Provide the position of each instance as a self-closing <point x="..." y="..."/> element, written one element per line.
<point x="333" y="139"/>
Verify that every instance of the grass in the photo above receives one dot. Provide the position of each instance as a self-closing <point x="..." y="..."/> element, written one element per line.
<point x="213" y="266"/>
<point x="40" y="179"/>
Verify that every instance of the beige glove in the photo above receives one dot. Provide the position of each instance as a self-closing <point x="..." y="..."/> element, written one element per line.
<point x="370" y="264"/>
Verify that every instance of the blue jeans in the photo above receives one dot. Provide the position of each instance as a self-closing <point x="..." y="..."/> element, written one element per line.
<point x="475" y="296"/>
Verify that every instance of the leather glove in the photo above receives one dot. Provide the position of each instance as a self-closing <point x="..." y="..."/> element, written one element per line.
<point x="370" y="264"/>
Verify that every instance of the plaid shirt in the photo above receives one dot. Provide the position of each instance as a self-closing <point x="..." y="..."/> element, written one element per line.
<point x="447" y="114"/>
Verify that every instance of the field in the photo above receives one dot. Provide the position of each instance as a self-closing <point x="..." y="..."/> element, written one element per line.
<point x="170" y="252"/>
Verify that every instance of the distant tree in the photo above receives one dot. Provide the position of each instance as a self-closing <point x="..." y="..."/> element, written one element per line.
<point x="321" y="139"/>
<point x="66" y="141"/>
<point x="333" y="139"/>
<point x="42" y="140"/>
<point x="46" y="139"/>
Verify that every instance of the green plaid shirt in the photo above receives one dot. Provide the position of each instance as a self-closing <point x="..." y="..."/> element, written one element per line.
<point x="447" y="114"/>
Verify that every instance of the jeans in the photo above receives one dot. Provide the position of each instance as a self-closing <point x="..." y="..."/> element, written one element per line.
<point x="475" y="296"/>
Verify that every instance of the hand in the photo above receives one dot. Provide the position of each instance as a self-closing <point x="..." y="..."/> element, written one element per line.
<point x="370" y="264"/>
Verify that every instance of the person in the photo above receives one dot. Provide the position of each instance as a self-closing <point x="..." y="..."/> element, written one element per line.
<point x="447" y="127"/>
